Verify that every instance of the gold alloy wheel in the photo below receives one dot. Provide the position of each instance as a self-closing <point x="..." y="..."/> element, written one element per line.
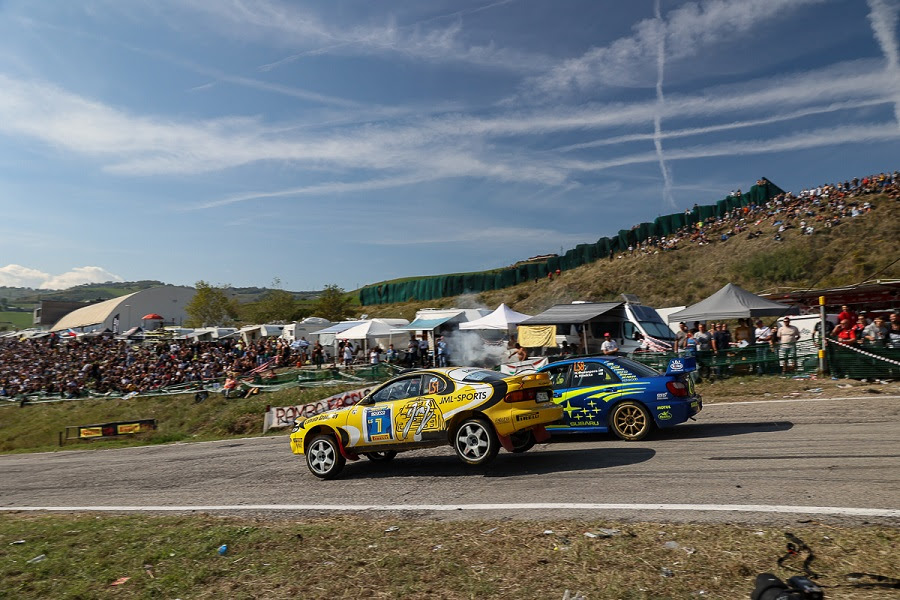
<point x="630" y="421"/>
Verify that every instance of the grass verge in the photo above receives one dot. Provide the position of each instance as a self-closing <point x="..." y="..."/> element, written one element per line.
<point x="359" y="557"/>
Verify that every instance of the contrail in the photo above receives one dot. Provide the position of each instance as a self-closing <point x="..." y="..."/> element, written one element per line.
<point x="883" y="16"/>
<point x="657" y="118"/>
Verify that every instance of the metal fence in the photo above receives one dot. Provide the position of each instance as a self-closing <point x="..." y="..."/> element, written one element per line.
<point x="854" y="362"/>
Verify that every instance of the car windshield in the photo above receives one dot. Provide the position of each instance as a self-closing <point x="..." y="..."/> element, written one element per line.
<point x="658" y="330"/>
<point x="482" y="375"/>
<point x="639" y="369"/>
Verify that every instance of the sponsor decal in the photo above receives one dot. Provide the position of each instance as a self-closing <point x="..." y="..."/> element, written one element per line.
<point x="662" y="396"/>
<point x="128" y="428"/>
<point x="663" y="407"/>
<point x="694" y="404"/>
<point x="377" y="420"/>
<point x="503" y="420"/>
<point x="467" y="396"/>
<point x="585" y="423"/>
<point x="89" y="432"/>
<point x="623" y="373"/>
<point x="676" y="365"/>
<point x="664" y="416"/>
<point x="418" y="416"/>
<point x="527" y="416"/>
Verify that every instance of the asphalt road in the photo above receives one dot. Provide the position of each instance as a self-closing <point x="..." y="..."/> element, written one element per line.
<point x="829" y="453"/>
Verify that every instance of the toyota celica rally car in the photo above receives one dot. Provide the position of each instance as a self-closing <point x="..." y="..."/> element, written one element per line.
<point x="474" y="410"/>
<point x="614" y="393"/>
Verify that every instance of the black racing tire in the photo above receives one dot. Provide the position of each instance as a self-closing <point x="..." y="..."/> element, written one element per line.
<point x="384" y="456"/>
<point x="522" y="441"/>
<point x="630" y="421"/>
<point x="323" y="457"/>
<point x="475" y="442"/>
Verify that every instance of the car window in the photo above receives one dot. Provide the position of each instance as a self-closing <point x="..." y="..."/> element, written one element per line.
<point x="587" y="374"/>
<point x="558" y="376"/>
<point x="639" y="369"/>
<point x="408" y="387"/>
<point x="479" y="376"/>
<point x="434" y="384"/>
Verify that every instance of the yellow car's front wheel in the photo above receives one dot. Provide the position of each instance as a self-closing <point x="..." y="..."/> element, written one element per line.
<point x="324" y="458"/>
<point x="475" y="442"/>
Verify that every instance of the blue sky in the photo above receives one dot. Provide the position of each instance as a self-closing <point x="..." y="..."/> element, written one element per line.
<point x="349" y="142"/>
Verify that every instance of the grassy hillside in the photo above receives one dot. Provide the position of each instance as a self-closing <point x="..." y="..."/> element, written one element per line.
<point x="856" y="250"/>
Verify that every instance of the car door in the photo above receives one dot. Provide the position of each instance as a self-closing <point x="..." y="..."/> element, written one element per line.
<point x="379" y="413"/>
<point x="418" y="417"/>
<point x="592" y="385"/>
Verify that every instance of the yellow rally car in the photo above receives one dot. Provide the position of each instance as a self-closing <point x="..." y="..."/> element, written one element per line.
<point x="473" y="409"/>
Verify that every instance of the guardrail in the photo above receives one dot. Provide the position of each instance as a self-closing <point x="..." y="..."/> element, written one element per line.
<point x="102" y="431"/>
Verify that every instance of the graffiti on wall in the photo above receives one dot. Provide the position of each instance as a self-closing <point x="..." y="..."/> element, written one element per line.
<point x="283" y="416"/>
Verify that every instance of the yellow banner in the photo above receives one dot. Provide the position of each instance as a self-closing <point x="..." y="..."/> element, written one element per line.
<point x="535" y="336"/>
<point x="128" y="428"/>
<point x="89" y="432"/>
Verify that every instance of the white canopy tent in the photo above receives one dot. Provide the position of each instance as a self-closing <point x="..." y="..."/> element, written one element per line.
<point x="502" y="319"/>
<point x="374" y="332"/>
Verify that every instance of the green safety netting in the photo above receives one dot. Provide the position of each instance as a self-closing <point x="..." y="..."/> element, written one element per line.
<point x="442" y="286"/>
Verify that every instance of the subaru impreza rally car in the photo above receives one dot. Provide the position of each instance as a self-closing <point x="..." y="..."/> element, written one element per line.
<point x="614" y="393"/>
<point x="474" y="410"/>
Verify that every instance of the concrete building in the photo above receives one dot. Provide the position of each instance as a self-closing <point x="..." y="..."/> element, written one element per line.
<point x="122" y="313"/>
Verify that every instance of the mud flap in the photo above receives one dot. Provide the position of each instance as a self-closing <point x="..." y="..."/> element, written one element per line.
<point x="344" y="452"/>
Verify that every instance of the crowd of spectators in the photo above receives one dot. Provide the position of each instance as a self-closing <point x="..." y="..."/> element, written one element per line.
<point x="810" y="210"/>
<point x="72" y="368"/>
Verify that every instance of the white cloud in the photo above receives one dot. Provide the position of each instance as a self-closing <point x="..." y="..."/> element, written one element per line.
<point x="19" y="276"/>
<point x="687" y="30"/>
<point x="883" y="16"/>
<point x="292" y="26"/>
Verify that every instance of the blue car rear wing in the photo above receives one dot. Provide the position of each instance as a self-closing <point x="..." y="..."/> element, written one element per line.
<point x="684" y="364"/>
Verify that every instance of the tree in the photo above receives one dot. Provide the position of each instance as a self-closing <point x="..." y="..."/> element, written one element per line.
<point x="333" y="304"/>
<point x="275" y="305"/>
<point x="210" y="306"/>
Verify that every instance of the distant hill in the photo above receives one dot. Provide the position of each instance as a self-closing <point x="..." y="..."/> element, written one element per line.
<point x="27" y="297"/>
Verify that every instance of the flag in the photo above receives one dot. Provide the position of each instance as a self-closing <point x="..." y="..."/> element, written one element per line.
<point x="71" y="333"/>
<point x="115" y="324"/>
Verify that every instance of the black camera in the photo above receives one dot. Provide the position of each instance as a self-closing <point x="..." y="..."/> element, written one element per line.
<point x="769" y="587"/>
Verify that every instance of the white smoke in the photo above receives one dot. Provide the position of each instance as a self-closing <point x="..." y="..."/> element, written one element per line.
<point x="469" y="348"/>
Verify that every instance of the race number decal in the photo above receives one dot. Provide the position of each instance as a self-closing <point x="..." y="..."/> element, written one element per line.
<point x="378" y="421"/>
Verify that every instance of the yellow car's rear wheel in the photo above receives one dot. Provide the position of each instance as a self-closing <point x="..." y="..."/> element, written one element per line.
<point x="475" y="442"/>
<point x="630" y="421"/>
<point x="324" y="458"/>
<point x="522" y="441"/>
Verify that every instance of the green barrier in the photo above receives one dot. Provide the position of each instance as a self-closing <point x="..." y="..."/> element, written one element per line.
<point x="863" y="362"/>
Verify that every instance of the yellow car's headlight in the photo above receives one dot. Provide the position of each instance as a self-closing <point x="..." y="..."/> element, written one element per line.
<point x="298" y="423"/>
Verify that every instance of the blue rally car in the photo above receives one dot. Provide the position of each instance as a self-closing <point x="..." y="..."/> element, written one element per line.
<point x="614" y="393"/>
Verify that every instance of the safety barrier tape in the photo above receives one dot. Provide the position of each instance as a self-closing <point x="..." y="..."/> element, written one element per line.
<point x="863" y="352"/>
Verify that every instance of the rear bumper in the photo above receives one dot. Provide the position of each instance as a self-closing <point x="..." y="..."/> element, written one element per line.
<point x="667" y="415"/>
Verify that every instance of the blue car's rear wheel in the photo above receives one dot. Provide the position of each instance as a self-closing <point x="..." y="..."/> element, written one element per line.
<point x="630" y="421"/>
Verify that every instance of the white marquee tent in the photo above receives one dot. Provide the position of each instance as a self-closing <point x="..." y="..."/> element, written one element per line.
<point x="502" y="319"/>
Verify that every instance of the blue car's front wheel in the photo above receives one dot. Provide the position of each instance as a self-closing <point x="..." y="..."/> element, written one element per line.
<point x="630" y="421"/>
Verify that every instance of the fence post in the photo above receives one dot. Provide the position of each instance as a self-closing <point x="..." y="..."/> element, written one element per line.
<point x="822" y="364"/>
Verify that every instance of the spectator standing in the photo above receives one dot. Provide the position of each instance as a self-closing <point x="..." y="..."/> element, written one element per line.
<point x="609" y="346"/>
<point x="846" y="313"/>
<point x="391" y="354"/>
<point x="412" y="351"/>
<point x="721" y="343"/>
<point x="681" y="337"/>
<point x="876" y="333"/>
<point x="762" y="336"/>
<point x="441" y="352"/>
<point x="520" y="353"/>
<point x="844" y="332"/>
<point x="348" y="354"/>
<point x="703" y="338"/>
<point x="893" y="336"/>
<point x="423" y="350"/>
<point x="787" y="335"/>
<point x="859" y="327"/>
